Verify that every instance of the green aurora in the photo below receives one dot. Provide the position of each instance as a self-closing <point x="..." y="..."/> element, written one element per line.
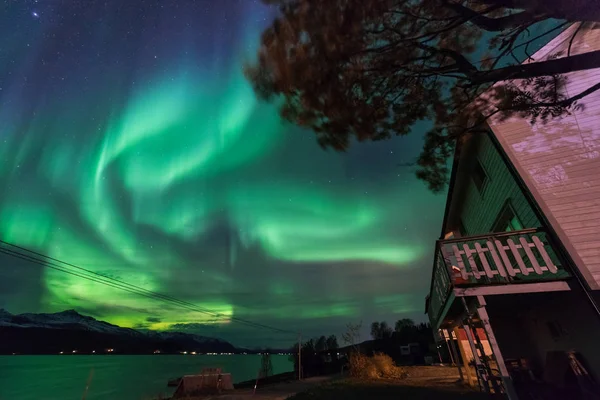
<point x="159" y="167"/>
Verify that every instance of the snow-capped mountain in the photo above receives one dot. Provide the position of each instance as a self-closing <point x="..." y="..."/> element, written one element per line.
<point x="47" y="333"/>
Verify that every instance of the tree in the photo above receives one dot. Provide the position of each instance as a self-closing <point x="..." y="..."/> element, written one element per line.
<point x="380" y="330"/>
<point x="309" y="347"/>
<point x="332" y="343"/>
<point x="375" y="330"/>
<point x="266" y="367"/>
<point x="352" y="335"/>
<point x="385" y="331"/>
<point x="321" y="344"/>
<point x="404" y="323"/>
<point x="372" y="69"/>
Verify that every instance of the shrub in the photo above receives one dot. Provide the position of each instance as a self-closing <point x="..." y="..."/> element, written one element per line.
<point x="357" y="364"/>
<point x="384" y="364"/>
<point x="379" y="366"/>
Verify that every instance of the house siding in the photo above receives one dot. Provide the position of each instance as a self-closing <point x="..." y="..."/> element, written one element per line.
<point x="560" y="160"/>
<point x="480" y="210"/>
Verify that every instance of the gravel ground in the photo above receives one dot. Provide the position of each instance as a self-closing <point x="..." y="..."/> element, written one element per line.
<point x="423" y="383"/>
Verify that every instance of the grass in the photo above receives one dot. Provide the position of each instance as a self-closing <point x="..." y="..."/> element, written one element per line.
<point x="364" y="390"/>
<point x="416" y="382"/>
<point x="422" y="383"/>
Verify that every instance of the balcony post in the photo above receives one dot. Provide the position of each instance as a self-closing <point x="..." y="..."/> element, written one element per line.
<point x="482" y="384"/>
<point x="485" y="320"/>
<point x="453" y="351"/>
<point x="463" y="355"/>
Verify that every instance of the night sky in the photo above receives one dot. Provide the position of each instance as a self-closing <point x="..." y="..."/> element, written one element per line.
<point x="131" y="145"/>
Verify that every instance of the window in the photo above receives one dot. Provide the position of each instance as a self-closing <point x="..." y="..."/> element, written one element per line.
<point x="507" y="220"/>
<point x="480" y="178"/>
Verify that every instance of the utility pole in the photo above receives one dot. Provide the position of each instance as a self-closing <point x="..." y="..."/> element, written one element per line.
<point x="299" y="356"/>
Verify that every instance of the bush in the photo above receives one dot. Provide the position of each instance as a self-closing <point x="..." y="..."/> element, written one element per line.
<point x="379" y="366"/>
<point x="384" y="364"/>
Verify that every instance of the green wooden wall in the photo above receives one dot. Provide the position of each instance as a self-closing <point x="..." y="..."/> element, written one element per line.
<point x="480" y="210"/>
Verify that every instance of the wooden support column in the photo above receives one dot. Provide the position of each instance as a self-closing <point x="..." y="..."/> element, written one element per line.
<point x="485" y="320"/>
<point x="454" y="353"/>
<point x="467" y="329"/>
<point x="447" y="337"/>
<point x="464" y="357"/>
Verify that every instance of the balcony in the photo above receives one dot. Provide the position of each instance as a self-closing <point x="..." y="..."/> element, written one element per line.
<point x="518" y="257"/>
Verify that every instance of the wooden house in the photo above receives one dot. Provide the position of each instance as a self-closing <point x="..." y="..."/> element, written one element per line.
<point x="519" y="251"/>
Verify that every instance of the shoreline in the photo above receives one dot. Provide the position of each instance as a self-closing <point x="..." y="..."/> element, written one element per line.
<point x="283" y="377"/>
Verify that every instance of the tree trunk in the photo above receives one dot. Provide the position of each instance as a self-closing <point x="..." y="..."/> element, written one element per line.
<point x="579" y="62"/>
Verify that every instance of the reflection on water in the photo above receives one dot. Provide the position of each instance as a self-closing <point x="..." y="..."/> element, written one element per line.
<point x="114" y="377"/>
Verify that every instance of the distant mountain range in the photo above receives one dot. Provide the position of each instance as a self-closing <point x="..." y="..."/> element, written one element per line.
<point x="70" y="332"/>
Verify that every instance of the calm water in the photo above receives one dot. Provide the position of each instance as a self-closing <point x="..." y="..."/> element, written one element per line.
<point x="114" y="377"/>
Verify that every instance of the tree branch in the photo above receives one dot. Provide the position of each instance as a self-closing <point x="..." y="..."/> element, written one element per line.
<point x="579" y="62"/>
<point x="463" y="64"/>
<point x="581" y="10"/>
<point x="494" y="24"/>
<point x="563" y="103"/>
<point x="540" y="36"/>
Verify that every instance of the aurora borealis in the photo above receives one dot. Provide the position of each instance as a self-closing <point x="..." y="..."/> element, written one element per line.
<point x="131" y="145"/>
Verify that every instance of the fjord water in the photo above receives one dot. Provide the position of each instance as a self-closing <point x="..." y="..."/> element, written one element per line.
<point x="115" y="377"/>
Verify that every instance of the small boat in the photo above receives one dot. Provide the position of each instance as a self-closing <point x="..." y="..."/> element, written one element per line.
<point x="209" y="381"/>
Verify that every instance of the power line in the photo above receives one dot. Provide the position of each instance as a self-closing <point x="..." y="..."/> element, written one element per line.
<point x="120" y="284"/>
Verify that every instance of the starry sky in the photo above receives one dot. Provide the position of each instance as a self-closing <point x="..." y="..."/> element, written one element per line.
<point x="132" y="145"/>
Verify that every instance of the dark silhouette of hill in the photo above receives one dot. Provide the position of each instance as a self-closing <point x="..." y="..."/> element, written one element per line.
<point x="70" y="331"/>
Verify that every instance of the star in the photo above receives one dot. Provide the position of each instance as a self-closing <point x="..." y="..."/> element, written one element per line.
<point x="167" y="154"/>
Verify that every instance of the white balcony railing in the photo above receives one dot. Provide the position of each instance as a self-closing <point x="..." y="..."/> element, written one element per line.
<point x="524" y="256"/>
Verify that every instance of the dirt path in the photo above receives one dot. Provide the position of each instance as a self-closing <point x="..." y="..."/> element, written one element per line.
<point x="423" y="383"/>
<point x="278" y="391"/>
